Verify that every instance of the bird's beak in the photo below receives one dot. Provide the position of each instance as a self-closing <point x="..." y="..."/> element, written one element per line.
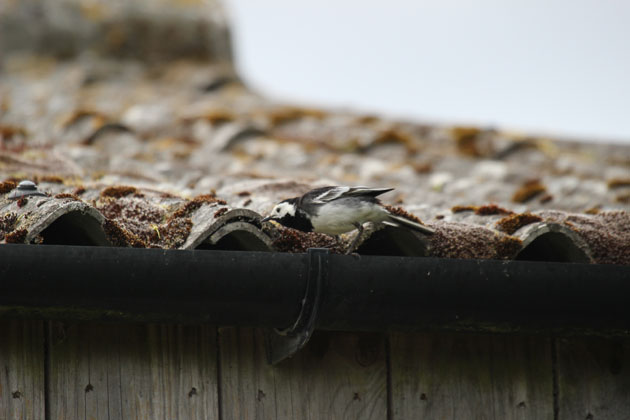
<point x="266" y="219"/>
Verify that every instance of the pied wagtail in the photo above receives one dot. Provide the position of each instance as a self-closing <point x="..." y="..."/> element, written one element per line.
<point x="337" y="210"/>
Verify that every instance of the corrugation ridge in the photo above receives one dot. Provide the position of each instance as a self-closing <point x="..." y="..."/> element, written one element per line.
<point x="561" y="240"/>
<point x="40" y="214"/>
<point x="388" y="240"/>
<point x="210" y="228"/>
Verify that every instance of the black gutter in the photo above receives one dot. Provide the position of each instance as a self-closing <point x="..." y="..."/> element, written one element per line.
<point x="260" y="289"/>
<point x="151" y="285"/>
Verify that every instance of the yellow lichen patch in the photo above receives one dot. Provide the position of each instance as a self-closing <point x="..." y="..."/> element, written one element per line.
<point x="7" y="132"/>
<point x="93" y="10"/>
<point x="170" y="143"/>
<point x="618" y="183"/>
<point x="623" y="198"/>
<point x="288" y="114"/>
<point x="394" y="136"/>
<point x="466" y="140"/>
<point x="593" y="210"/>
<point x="115" y="36"/>
<point x="98" y="118"/>
<point x="367" y="119"/>
<point x="219" y="116"/>
<point x="156" y="229"/>
<point x="514" y="222"/>
<point x="528" y="190"/>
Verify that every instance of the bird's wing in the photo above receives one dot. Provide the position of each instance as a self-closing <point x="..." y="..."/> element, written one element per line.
<point x="328" y="194"/>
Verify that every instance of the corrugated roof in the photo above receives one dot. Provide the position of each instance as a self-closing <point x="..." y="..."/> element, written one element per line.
<point x="180" y="154"/>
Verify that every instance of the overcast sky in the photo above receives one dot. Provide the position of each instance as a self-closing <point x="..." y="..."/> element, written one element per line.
<point x="546" y="66"/>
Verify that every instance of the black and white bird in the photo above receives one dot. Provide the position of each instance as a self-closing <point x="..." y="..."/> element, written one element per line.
<point x="337" y="210"/>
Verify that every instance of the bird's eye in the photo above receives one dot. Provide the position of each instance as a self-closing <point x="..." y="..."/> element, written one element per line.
<point x="277" y="210"/>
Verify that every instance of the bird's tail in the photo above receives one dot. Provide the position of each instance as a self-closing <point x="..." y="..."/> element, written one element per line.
<point x="395" y="220"/>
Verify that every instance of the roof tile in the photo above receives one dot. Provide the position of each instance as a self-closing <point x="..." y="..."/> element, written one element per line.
<point x="181" y="154"/>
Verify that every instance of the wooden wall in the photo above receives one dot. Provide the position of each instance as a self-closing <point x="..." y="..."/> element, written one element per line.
<point x="51" y="370"/>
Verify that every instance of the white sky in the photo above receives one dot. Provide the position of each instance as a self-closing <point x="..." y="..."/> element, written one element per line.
<point x="545" y="66"/>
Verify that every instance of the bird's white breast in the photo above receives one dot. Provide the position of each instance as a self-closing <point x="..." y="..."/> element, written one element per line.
<point x="338" y="217"/>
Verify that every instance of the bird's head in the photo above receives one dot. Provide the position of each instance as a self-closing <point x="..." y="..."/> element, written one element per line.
<point x="282" y="211"/>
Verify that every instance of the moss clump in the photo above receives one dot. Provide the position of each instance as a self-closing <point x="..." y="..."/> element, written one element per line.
<point x="485" y="210"/>
<point x="174" y="233"/>
<point x="514" y="222"/>
<point x="422" y="167"/>
<point x="16" y="237"/>
<point x="220" y="212"/>
<point x="618" y="183"/>
<point x="111" y="209"/>
<point x="463" y="240"/>
<point x="196" y="203"/>
<point x="7" y="186"/>
<point x="507" y="247"/>
<point x="296" y="241"/>
<point x="7" y="132"/>
<point x="121" y="237"/>
<point x="528" y="190"/>
<point x="7" y="224"/>
<point x="491" y="209"/>
<point x="67" y="195"/>
<point x="399" y="211"/>
<point x="461" y="209"/>
<point x="118" y="191"/>
<point x="53" y="179"/>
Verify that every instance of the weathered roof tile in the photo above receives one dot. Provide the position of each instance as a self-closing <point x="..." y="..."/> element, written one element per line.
<point x="137" y="154"/>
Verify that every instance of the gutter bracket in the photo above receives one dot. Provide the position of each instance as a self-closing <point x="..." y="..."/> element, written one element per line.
<point x="282" y="344"/>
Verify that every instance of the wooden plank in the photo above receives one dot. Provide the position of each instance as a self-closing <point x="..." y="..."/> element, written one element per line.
<point x="593" y="379"/>
<point x="66" y="373"/>
<point x="21" y="370"/>
<point x="337" y="376"/>
<point x="133" y="371"/>
<point x="462" y="376"/>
